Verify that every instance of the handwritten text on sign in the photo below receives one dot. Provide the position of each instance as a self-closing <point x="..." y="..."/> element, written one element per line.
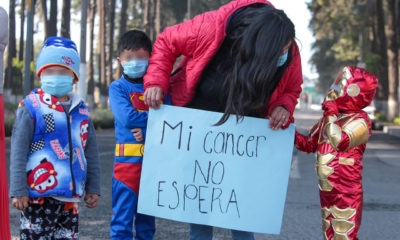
<point x="233" y="176"/>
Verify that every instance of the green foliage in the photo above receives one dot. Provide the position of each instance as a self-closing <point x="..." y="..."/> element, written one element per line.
<point x="396" y="121"/>
<point x="380" y="117"/>
<point x="102" y="118"/>
<point x="8" y="124"/>
<point x="175" y="11"/>
<point x="11" y="106"/>
<point x="338" y="27"/>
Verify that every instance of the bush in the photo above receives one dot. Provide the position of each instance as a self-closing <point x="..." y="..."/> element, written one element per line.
<point x="380" y="117"/>
<point x="8" y="124"/>
<point x="102" y="118"/>
<point x="396" y="120"/>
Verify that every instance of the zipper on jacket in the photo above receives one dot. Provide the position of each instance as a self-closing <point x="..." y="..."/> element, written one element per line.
<point x="71" y="152"/>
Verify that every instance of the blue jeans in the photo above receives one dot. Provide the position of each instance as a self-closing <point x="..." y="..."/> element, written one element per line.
<point x="203" y="232"/>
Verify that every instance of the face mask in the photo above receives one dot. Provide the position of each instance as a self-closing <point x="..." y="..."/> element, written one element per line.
<point x="57" y="85"/>
<point x="282" y="59"/>
<point x="135" y="68"/>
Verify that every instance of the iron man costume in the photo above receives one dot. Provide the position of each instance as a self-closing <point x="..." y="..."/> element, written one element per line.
<point x="340" y="139"/>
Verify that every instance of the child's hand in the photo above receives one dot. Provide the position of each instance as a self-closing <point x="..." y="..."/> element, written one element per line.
<point x="330" y="108"/>
<point x="137" y="133"/>
<point x="91" y="200"/>
<point x="20" y="202"/>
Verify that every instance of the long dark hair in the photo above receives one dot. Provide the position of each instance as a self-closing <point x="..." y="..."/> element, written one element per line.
<point x="256" y="35"/>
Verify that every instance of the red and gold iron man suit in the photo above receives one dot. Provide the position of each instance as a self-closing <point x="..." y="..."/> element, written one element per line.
<point x="340" y="139"/>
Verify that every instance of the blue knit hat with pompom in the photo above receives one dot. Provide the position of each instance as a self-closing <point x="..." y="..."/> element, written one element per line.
<point x="58" y="51"/>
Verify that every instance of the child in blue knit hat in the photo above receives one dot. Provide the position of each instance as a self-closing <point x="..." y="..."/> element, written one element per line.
<point x="54" y="156"/>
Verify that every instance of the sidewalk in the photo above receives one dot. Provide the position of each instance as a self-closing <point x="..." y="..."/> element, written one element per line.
<point x="386" y="146"/>
<point x="392" y="130"/>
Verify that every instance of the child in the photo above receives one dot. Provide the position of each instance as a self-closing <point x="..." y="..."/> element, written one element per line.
<point x="54" y="156"/>
<point x="130" y="113"/>
<point x="340" y="139"/>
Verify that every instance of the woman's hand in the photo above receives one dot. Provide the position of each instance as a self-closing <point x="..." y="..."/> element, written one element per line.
<point x="279" y="117"/>
<point x="20" y="203"/>
<point x="153" y="96"/>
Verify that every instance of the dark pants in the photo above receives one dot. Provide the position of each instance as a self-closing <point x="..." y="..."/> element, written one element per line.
<point x="47" y="218"/>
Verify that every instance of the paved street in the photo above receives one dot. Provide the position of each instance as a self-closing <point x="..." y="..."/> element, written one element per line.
<point x="381" y="178"/>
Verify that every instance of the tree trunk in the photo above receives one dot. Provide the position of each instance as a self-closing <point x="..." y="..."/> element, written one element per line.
<point x="152" y="6"/>
<point x="11" y="49"/>
<point x="50" y="24"/>
<point x="102" y="51"/>
<point x="398" y="44"/>
<point x="189" y="9"/>
<point x="66" y="19"/>
<point x="90" y="71"/>
<point x="124" y="17"/>
<point x="122" y="29"/>
<point x="393" y="107"/>
<point x="53" y="19"/>
<point x="158" y="18"/>
<point x="22" y="31"/>
<point x="43" y="3"/>
<point x="382" y="68"/>
<point x="32" y="76"/>
<point x="146" y="6"/>
<point x="111" y="20"/>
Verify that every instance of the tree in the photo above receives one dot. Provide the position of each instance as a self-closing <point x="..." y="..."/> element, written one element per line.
<point x="122" y="29"/>
<point x="102" y="53"/>
<point x="123" y="17"/>
<point x="146" y="10"/>
<point x="158" y="18"/>
<point x="22" y="30"/>
<point x="382" y="64"/>
<point x="50" y="24"/>
<point x="336" y="26"/>
<point x="393" y="105"/>
<point x="151" y="19"/>
<point x="12" y="51"/>
<point x="66" y="19"/>
<point x="90" y="71"/>
<point x="32" y="75"/>
<point x="111" y="21"/>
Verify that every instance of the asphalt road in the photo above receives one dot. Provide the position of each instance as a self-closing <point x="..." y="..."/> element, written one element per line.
<point x="381" y="179"/>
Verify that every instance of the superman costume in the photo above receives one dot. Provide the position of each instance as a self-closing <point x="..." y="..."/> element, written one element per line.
<point x="126" y="101"/>
<point x="340" y="139"/>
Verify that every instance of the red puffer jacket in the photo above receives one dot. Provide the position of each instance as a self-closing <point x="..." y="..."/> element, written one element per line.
<point x="198" y="40"/>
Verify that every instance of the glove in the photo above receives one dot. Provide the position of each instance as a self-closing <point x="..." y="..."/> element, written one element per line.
<point x="330" y="108"/>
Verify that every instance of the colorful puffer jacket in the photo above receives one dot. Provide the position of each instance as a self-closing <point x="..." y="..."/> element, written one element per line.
<point x="56" y="163"/>
<point x="198" y="40"/>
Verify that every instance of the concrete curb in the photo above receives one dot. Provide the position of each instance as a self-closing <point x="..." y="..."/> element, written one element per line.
<point x="392" y="130"/>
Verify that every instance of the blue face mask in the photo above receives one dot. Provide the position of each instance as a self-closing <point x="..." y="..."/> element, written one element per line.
<point x="135" y="68"/>
<point x="56" y="85"/>
<point x="282" y="59"/>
